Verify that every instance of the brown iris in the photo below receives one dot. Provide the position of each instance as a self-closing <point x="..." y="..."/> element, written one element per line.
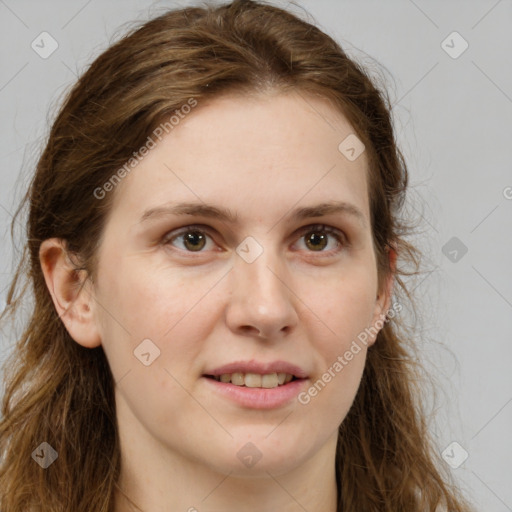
<point x="191" y="239"/>
<point x="315" y="238"/>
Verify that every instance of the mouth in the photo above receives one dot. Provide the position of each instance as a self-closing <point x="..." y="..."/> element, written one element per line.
<point x="255" y="385"/>
<point x="255" y="380"/>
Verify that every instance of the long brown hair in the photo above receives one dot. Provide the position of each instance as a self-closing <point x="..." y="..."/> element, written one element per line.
<point x="59" y="392"/>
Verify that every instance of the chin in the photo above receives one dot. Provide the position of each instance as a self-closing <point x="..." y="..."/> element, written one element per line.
<point x="274" y="464"/>
<point x="256" y="452"/>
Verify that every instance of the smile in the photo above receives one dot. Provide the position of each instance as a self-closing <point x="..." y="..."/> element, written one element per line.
<point x="251" y="393"/>
<point x="254" y="380"/>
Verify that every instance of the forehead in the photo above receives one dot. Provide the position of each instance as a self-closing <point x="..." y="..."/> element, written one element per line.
<point x="240" y="150"/>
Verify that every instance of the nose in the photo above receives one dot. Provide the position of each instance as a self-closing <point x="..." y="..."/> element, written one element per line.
<point x="262" y="302"/>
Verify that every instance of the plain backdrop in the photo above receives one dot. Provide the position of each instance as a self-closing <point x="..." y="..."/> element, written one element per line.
<point x="447" y="67"/>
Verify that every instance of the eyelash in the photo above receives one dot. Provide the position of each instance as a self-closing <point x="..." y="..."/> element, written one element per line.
<point x="316" y="228"/>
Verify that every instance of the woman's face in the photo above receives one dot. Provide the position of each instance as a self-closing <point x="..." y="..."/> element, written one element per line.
<point x="184" y="295"/>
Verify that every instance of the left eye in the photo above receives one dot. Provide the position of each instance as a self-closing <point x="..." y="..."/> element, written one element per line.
<point x="194" y="238"/>
<point x="317" y="237"/>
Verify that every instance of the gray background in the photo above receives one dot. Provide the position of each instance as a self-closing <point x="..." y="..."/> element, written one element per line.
<point x="453" y="117"/>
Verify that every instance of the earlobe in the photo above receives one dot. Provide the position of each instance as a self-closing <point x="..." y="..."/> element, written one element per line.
<point x="68" y="288"/>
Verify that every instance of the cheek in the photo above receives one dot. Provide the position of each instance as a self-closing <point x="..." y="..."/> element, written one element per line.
<point x="166" y="306"/>
<point x="345" y="305"/>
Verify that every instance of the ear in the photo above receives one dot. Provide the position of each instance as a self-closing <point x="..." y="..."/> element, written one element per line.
<point x="70" y="292"/>
<point x="383" y="299"/>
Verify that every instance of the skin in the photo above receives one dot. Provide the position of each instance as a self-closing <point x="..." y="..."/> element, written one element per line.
<point x="261" y="157"/>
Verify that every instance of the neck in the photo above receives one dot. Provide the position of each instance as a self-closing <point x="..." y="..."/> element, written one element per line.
<point x="171" y="482"/>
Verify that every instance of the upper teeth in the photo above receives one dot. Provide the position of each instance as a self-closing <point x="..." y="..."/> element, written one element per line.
<point x="255" y="380"/>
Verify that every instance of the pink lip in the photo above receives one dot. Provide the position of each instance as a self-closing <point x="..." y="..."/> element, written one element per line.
<point x="258" y="398"/>
<point x="259" y="368"/>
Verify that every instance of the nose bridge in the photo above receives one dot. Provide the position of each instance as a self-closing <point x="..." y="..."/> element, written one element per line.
<point x="261" y="297"/>
<point x="260" y="267"/>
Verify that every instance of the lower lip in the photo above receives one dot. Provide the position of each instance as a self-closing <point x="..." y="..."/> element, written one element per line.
<point x="258" y="398"/>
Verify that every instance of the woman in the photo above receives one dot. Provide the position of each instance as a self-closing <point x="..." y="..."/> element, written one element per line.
<point x="213" y="242"/>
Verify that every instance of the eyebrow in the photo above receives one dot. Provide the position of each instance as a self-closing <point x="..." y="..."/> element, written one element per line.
<point x="226" y="215"/>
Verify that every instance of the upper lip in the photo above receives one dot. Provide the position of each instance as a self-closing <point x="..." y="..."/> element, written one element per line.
<point x="259" y="368"/>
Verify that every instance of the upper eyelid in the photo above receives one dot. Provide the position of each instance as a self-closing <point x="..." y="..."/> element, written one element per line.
<point x="330" y="230"/>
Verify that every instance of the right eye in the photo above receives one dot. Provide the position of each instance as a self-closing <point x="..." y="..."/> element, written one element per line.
<point x="192" y="238"/>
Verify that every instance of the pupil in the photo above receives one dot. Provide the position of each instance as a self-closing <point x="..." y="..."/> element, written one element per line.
<point x="317" y="238"/>
<point x="191" y="239"/>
